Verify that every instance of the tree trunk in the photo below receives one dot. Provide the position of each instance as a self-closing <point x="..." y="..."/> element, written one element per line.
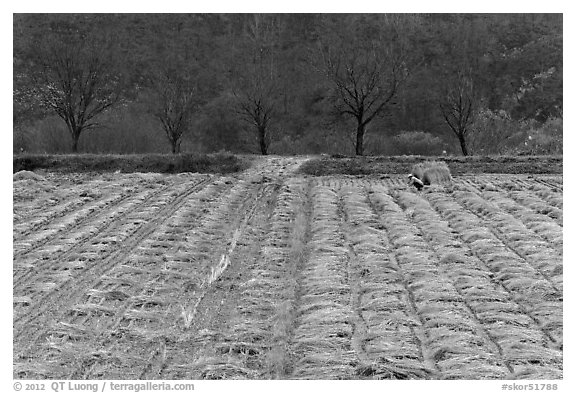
<point x="262" y="140"/>
<point x="463" y="146"/>
<point x="75" y="138"/>
<point x="175" y="146"/>
<point x="360" y="139"/>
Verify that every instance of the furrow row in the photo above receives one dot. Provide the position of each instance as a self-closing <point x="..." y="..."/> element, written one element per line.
<point x="131" y="303"/>
<point x="49" y="301"/>
<point x="239" y="346"/>
<point x="100" y="212"/>
<point x="72" y="251"/>
<point x="535" y="295"/>
<point x="553" y="197"/>
<point x="208" y="247"/>
<point x="454" y="340"/>
<point x="519" y="342"/>
<point x="545" y="260"/>
<point x="390" y="330"/>
<point x="349" y="216"/>
<point x="539" y="206"/>
<point x="266" y="275"/>
<point x="322" y="339"/>
<point x="531" y="196"/>
<point x="540" y="224"/>
<point x="552" y="183"/>
<point x="34" y="215"/>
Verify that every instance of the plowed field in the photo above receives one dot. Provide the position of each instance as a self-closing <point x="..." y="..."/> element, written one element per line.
<point x="269" y="274"/>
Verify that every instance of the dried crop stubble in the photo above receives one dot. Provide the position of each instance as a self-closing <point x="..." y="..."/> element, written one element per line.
<point x="89" y="311"/>
<point x="541" y="199"/>
<point x="253" y="322"/>
<point x="540" y="224"/>
<point x="520" y="343"/>
<point x="321" y="343"/>
<point x="68" y="251"/>
<point x="516" y="237"/>
<point x="263" y="276"/>
<point x="286" y="255"/>
<point x="151" y="319"/>
<point x="537" y="185"/>
<point x="384" y="336"/>
<point x="528" y="289"/>
<point x="352" y="214"/>
<point x="538" y="205"/>
<point x="67" y="195"/>
<point x="43" y="214"/>
<point x="453" y="338"/>
<point x="224" y="334"/>
<point x="62" y="199"/>
<point x="552" y="196"/>
<point x="30" y="187"/>
<point x="47" y="307"/>
<point x="243" y="322"/>
<point x="81" y="222"/>
<point x="553" y="182"/>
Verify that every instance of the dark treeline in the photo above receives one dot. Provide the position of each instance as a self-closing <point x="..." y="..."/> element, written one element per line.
<point x="288" y="83"/>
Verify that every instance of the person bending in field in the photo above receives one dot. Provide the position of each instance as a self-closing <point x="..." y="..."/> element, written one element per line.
<point x="414" y="181"/>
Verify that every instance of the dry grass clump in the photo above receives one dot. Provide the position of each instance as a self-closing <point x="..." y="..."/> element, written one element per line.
<point x="432" y="172"/>
<point x="27" y="175"/>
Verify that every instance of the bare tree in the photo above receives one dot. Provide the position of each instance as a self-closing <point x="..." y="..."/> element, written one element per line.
<point x="174" y="99"/>
<point x="365" y="76"/>
<point x="77" y="80"/>
<point x="256" y="89"/>
<point x="256" y="105"/>
<point x="458" y="104"/>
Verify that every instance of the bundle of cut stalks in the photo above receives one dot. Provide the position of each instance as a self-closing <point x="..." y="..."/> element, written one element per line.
<point x="27" y="175"/>
<point x="432" y="172"/>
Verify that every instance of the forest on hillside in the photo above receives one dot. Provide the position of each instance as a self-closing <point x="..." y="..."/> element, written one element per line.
<point x="364" y="84"/>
